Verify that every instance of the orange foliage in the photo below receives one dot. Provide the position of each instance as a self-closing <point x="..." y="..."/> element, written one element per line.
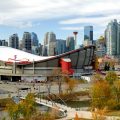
<point x="76" y="117"/>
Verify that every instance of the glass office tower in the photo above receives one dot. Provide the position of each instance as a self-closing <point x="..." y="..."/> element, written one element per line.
<point x="88" y="33"/>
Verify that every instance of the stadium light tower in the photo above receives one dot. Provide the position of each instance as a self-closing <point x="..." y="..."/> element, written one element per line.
<point x="75" y="35"/>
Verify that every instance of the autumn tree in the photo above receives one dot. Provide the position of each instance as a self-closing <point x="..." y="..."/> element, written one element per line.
<point x="116" y="90"/>
<point x="14" y="111"/>
<point x="100" y="94"/>
<point x="58" y="77"/>
<point x="26" y="108"/>
<point x="111" y="77"/>
<point x="49" y="84"/>
<point x="99" y="114"/>
<point x="71" y="83"/>
<point x="106" y="92"/>
<point x="97" y="77"/>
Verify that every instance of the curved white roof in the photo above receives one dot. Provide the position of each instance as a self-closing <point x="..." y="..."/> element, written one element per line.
<point x="9" y="54"/>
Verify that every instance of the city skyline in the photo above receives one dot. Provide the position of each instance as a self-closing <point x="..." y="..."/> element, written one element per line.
<point x="61" y="17"/>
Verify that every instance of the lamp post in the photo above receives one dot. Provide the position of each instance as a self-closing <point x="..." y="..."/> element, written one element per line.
<point x="39" y="93"/>
<point x="14" y="64"/>
<point x="33" y="67"/>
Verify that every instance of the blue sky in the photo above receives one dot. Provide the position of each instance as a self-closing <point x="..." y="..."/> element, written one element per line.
<point x="60" y="16"/>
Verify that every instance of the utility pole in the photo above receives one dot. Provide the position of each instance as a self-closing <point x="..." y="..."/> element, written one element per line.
<point x="33" y="67"/>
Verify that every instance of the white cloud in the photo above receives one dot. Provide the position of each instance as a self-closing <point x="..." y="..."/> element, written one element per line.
<point x="91" y="20"/>
<point x="19" y="12"/>
<point x="72" y="28"/>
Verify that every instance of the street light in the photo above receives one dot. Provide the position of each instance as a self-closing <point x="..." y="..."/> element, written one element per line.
<point x="39" y="93"/>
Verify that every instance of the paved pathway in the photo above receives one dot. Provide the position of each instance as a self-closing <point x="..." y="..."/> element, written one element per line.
<point x="71" y="112"/>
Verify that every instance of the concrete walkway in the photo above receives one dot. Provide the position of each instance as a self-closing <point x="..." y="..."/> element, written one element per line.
<point x="70" y="111"/>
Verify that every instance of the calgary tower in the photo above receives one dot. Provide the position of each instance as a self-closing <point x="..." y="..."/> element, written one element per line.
<point x="75" y="35"/>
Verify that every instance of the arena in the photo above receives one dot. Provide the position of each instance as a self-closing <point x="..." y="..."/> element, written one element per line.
<point x="18" y="65"/>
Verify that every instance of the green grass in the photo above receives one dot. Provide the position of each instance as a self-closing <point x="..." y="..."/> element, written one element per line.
<point x="113" y="113"/>
<point x="4" y="102"/>
<point x="78" y="104"/>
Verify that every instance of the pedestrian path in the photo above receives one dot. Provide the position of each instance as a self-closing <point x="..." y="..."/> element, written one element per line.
<point x="68" y="112"/>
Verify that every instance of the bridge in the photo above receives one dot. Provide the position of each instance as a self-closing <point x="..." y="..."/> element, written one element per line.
<point x="66" y="112"/>
<point x="52" y="105"/>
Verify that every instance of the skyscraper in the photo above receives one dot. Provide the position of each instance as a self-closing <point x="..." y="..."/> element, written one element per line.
<point x="46" y="38"/>
<point x="3" y="43"/>
<point x="14" y="41"/>
<point x="112" y="35"/>
<point x="51" y="37"/>
<point x="34" y="39"/>
<point x="88" y="33"/>
<point x="60" y="46"/>
<point x="50" y="43"/>
<point x="26" y="42"/>
<point x="44" y="51"/>
<point x="100" y="47"/>
<point x="70" y="43"/>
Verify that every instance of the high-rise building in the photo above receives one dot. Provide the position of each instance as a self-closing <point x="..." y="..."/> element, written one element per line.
<point x="37" y="50"/>
<point x="51" y="48"/>
<point x="87" y="42"/>
<point x="34" y="39"/>
<point x="101" y="47"/>
<point x="112" y="36"/>
<point x="26" y="42"/>
<point x="46" y="38"/>
<point x="14" y="41"/>
<point x="3" y="43"/>
<point x="20" y="44"/>
<point x="60" y="46"/>
<point x="44" y="51"/>
<point x="88" y="33"/>
<point x="0" y="42"/>
<point x="51" y="37"/>
<point x="70" y="43"/>
<point x="49" y="43"/>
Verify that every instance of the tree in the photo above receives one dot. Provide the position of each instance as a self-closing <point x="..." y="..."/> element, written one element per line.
<point x="26" y="108"/>
<point x="111" y="77"/>
<point x="13" y="111"/>
<point x="99" y="114"/>
<point x="116" y="90"/>
<point x="96" y="63"/>
<point x="100" y="94"/>
<point x="116" y="95"/>
<point x="58" y="76"/>
<point x="112" y="63"/>
<point x="97" y="77"/>
<point x="71" y="84"/>
<point x="106" y="92"/>
<point x="49" y="84"/>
